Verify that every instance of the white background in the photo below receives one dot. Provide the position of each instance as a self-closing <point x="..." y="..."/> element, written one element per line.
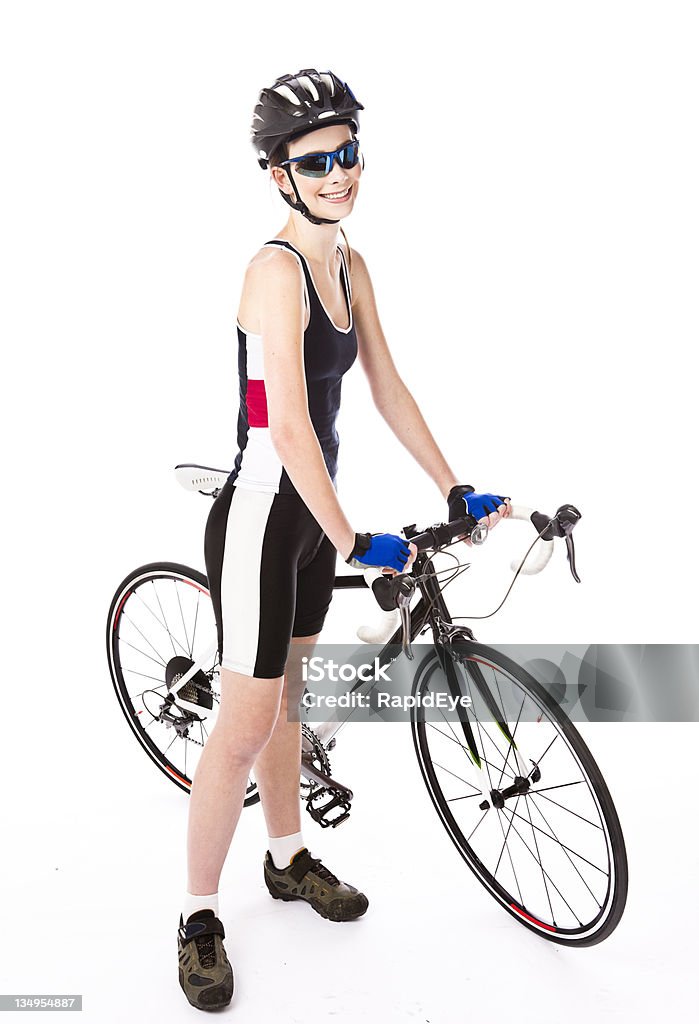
<point x="529" y="216"/>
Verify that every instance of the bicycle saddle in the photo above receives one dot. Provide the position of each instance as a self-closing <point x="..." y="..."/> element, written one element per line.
<point x="201" y="478"/>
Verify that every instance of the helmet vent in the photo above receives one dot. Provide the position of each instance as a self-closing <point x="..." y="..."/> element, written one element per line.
<point x="328" y="82"/>
<point x="288" y="94"/>
<point x="306" y="82"/>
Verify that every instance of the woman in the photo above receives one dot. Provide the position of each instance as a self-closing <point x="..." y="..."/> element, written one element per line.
<point x="307" y="309"/>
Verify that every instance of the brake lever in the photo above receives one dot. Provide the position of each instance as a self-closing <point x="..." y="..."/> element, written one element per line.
<point x="567" y="517"/>
<point x="403" y="602"/>
<point x="570" y="548"/>
<point x="396" y="592"/>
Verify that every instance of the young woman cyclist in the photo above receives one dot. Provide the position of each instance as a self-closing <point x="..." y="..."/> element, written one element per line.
<point x="307" y="310"/>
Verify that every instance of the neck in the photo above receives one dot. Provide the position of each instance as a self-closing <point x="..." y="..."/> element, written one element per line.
<point x="317" y="242"/>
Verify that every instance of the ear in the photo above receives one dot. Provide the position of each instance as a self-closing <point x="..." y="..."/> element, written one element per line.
<point x="281" y="179"/>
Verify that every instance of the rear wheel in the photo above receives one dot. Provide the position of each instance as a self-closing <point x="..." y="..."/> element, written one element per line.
<point x="540" y="833"/>
<point x="161" y="621"/>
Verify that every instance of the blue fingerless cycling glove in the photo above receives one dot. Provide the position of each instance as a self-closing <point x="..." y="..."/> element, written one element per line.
<point x="380" y="549"/>
<point x="463" y="501"/>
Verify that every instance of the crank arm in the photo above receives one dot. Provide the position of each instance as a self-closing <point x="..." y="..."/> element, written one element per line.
<point x="309" y="770"/>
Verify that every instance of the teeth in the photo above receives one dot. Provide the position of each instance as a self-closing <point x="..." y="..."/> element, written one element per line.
<point x="335" y="195"/>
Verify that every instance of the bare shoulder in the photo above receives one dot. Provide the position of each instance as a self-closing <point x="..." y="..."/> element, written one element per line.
<point x="272" y="274"/>
<point x="359" y="273"/>
<point x="272" y="263"/>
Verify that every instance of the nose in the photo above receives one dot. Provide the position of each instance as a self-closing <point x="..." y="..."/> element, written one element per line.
<point x="336" y="167"/>
<point x="338" y="174"/>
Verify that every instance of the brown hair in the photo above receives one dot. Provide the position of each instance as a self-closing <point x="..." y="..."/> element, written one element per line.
<point x="280" y="154"/>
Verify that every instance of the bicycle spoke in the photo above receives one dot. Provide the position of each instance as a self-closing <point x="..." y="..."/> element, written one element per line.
<point x="158" y="660"/>
<point x="558" y="842"/>
<point x="540" y="792"/>
<point x="196" y="618"/>
<point x="465" y="781"/>
<point x="540" y="759"/>
<point x="565" y="849"/>
<point x="480" y="822"/>
<point x="517" y="832"/>
<point x="184" y="626"/>
<point x="463" y="746"/>
<point x="157" y="597"/>
<point x="144" y="675"/>
<point x="509" y="854"/>
<point x="511" y="745"/>
<point x="144" y="637"/>
<point x="492" y="763"/>
<point x="538" y="853"/>
<point x="173" y="639"/>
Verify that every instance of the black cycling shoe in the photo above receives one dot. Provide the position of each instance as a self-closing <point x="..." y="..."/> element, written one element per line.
<point x="206" y="975"/>
<point x="307" y="878"/>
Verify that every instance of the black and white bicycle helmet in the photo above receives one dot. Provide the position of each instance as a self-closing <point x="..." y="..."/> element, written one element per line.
<point x="294" y="105"/>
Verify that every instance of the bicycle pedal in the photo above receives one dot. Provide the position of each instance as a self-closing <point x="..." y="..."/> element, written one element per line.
<point x="320" y="811"/>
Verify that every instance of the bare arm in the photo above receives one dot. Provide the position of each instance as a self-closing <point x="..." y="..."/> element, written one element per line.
<point x="391" y="396"/>
<point x="280" y="279"/>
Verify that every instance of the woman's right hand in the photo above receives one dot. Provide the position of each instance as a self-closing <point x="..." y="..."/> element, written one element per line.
<point x="384" y="550"/>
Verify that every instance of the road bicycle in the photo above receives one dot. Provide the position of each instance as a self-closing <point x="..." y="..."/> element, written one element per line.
<point x="512" y="781"/>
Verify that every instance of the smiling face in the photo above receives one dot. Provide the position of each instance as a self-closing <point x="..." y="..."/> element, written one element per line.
<point x="321" y="194"/>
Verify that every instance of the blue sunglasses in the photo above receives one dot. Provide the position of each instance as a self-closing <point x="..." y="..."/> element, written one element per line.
<point x="317" y="165"/>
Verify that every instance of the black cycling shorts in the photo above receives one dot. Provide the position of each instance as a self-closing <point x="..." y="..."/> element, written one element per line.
<point x="271" y="571"/>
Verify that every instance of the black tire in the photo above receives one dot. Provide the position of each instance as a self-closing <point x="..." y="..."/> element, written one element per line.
<point x="162" y="744"/>
<point x="459" y="813"/>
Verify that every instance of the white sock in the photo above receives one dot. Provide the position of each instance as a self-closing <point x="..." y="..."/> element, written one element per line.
<point x="193" y="903"/>
<point x="283" y="848"/>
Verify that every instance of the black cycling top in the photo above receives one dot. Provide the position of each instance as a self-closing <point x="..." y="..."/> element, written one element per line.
<point x="328" y="353"/>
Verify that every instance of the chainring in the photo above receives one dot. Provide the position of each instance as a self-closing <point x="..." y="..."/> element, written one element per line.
<point x="320" y="759"/>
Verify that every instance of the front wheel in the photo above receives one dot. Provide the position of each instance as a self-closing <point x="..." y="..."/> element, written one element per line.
<point x="161" y="621"/>
<point x="535" y="822"/>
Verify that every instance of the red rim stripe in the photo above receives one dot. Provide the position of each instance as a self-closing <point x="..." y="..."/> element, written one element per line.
<point x="121" y="605"/>
<point x="173" y="772"/>
<point x="196" y="587"/>
<point x="548" y="927"/>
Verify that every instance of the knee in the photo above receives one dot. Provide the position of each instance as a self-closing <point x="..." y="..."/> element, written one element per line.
<point x="242" y="742"/>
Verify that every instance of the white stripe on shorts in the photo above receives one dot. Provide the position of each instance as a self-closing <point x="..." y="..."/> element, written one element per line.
<point x="240" y="582"/>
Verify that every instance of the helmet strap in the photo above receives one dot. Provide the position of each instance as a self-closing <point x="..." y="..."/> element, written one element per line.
<point x="301" y="207"/>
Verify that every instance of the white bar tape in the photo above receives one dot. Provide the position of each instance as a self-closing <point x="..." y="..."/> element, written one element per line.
<point x="540" y="556"/>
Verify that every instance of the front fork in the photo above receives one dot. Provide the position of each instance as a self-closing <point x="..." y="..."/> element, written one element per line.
<point x="455" y="649"/>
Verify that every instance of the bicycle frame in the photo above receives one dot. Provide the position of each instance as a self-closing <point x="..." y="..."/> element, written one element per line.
<point x="431" y="610"/>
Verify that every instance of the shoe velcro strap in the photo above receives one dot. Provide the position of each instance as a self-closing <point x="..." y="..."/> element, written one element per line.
<point x="198" y="929"/>
<point x="302" y="866"/>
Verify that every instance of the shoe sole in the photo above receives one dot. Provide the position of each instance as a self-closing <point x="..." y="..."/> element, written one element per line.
<point x="334" y="912"/>
<point x="203" y="1006"/>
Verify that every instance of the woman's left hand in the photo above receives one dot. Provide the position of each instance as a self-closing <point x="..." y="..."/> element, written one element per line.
<point x="487" y="508"/>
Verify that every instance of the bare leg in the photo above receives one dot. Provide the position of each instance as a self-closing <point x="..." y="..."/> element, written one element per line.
<point x="246" y="720"/>
<point x="278" y="766"/>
